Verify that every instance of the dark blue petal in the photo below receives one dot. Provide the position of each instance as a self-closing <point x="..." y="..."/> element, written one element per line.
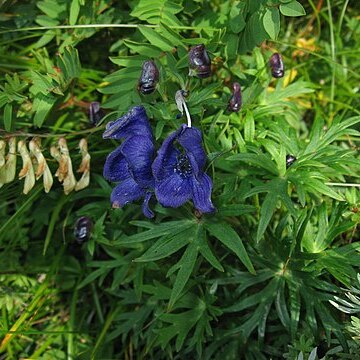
<point x="126" y="192"/>
<point x="145" y="207"/>
<point x="191" y="140"/>
<point x="139" y="153"/>
<point x="163" y="165"/>
<point x="134" y="122"/>
<point x="173" y="191"/>
<point x="116" y="166"/>
<point x="201" y="194"/>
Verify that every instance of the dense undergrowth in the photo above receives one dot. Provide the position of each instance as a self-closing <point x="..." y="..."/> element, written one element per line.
<point x="266" y="275"/>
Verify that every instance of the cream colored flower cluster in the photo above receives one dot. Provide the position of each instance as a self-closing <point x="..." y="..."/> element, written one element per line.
<point x="34" y="165"/>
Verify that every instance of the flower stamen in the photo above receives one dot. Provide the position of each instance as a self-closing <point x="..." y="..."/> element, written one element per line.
<point x="181" y="105"/>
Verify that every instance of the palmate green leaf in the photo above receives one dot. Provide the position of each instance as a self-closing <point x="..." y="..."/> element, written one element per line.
<point x="229" y="237"/>
<point x="268" y="293"/>
<point x="205" y="250"/>
<point x="320" y="139"/>
<point x="181" y="324"/>
<point x="186" y="266"/>
<point x="337" y="266"/>
<point x="258" y="318"/>
<point x="276" y="190"/>
<point x="249" y="127"/>
<point x="168" y="245"/>
<point x="93" y="276"/>
<point x="317" y="186"/>
<point x="166" y="228"/>
<point x="281" y="306"/>
<point x="131" y="321"/>
<point x="295" y="89"/>
<point x="235" y="210"/>
<point x="156" y="39"/>
<point x="203" y="95"/>
<point x="330" y="324"/>
<point x="268" y="207"/>
<point x="295" y="305"/>
<point x="261" y="160"/>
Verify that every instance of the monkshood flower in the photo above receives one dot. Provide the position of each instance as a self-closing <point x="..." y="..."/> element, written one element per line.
<point x="149" y="78"/>
<point x="178" y="171"/>
<point x="96" y="113"/>
<point x="130" y="163"/>
<point x="235" y="101"/>
<point x="199" y="61"/>
<point x="276" y="65"/>
<point x="134" y="122"/>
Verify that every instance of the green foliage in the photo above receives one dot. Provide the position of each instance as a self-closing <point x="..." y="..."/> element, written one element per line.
<point x="256" y="280"/>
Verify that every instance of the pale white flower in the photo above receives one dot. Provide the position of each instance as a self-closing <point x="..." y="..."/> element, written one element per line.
<point x="84" y="167"/>
<point x="27" y="170"/>
<point x="65" y="172"/>
<point x="11" y="158"/>
<point x="2" y="153"/>
<point x="42" y="168"/>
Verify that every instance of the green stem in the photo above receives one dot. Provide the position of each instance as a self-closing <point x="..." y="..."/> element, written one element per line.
<point x="97" y="303"/>
<point x="53" y="220"/>
<point x="104" y="330"/>
<point x="333" y="57"/>
<point x="72" y="322"/>
<point x="101" y="26"/>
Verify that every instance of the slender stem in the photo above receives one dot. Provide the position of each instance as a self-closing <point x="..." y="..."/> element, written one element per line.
<point x="91" y="26"/>
<point x="188" y="117"/>
<point x="343" y="184"/>
<point x="333" y="57"/>
<point x="341" y="19"/>
<point x="24" y="133"/>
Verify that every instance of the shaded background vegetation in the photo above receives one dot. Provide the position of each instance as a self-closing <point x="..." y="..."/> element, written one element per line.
<point x="252" y="281"/>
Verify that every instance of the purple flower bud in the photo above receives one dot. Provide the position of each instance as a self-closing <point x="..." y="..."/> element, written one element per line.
<point x="95" y="113"/>
<point x="82" y="229"/>
<point x="277" y="65"/>
<point x="199" y="61"/>
<point x="149" y="78"/>
<point x="290" y="159"/>
<point x="236" y="100"/>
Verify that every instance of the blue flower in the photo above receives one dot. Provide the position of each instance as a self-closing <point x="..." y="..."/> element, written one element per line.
<point x="178" y="171"/>
<point x="130" y="163"/>
<point x="134" y="122"/>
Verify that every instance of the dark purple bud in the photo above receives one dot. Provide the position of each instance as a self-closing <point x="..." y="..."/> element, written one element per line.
<point x="82" y="229"/>
<point x="199" y="61"/>
<point x="95" y="113"/>
<point x="277" y="65"/>
<point x="236" y="99"/>
<point x="149" y="78"/>
<point x="290" y="159"/>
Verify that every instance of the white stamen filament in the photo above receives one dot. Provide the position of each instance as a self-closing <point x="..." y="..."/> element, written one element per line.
<point x="188" y="117"/>
<point x="181" y="105"/>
